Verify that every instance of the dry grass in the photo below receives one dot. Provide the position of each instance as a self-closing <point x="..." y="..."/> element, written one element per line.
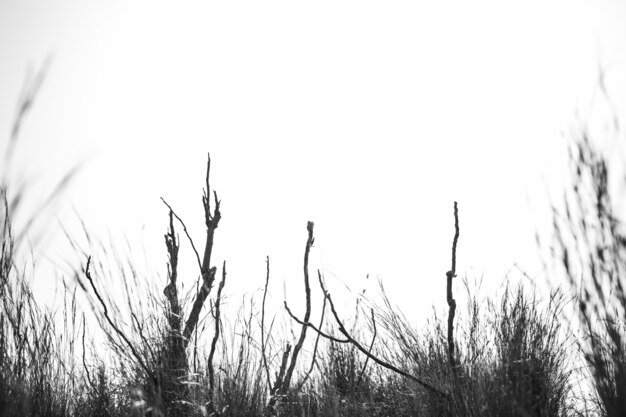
<point x="158" y="352"/>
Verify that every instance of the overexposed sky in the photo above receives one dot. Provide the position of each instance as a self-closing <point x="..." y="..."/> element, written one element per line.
<point x="368" y="118"/>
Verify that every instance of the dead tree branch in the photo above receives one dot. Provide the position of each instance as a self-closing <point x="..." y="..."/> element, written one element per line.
<point x="170" y="291"/>
<point x="275" y="390"/>
<point x="208" y="273"/>
<point x="263" y="353"/>
<point x="314" y="359"/>
<point x="283" y="379"/>
<point x="217" y="329"/>
<point x="307" y="313"/>
<point x="451" y="301"/>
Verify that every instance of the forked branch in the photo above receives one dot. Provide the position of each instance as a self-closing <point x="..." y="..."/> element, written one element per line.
<point x="212" y="220"/>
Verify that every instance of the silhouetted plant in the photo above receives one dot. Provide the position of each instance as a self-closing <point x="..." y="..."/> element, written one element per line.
<point x="591" y="247"/>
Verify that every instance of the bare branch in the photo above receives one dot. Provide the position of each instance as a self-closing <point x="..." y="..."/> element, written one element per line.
<point x="451" y="302"/>
<point x="278" y="382"/>
<point x="456" y="237"/>
<point x="307" y="314"/>
<point x="208" y="273"/>
<point x="263" y="353"/>
<point x="194" y="315"/>
<point x="170" y="291"/>
<point x="217" y="329"/>
<point x="314" y="359"/>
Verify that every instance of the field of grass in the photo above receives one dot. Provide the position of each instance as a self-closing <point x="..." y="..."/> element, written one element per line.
<point x="162" y="352"/>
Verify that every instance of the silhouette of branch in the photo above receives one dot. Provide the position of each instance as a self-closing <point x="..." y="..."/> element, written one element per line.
<point x="263" y="353"/>
<point x="208" y="273"/>
<point x="314" y="360"/>
<point x="451" y="302"/>
<point x="217" y="329"/>
<point x="307" y="314"/>
<point x="170" y="291"/>
<point x="275" y="393"/>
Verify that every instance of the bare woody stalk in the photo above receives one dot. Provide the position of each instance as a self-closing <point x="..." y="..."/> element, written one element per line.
<point x="208" y="273"/>
<point x="451" y="301"/>
<point x="307" y="314"/>
<point x="216" y="319"/>
<point x="170" y="291"/>
<point x="283" y="379"/>
<point x="314" y="359"/>
<point x="263" y="351"/>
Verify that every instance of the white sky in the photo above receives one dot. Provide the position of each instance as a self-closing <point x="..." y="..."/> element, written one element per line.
<point x="369" y="118"/>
